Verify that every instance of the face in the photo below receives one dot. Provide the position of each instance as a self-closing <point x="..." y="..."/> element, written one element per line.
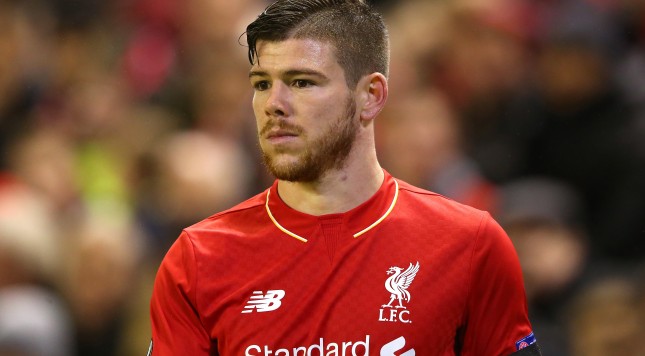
<point x="305" y="113"/>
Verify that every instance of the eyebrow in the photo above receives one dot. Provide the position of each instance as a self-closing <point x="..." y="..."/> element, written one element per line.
<point x="289" y="73"/>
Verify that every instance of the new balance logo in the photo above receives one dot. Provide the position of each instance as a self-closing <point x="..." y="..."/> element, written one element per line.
<point x="396" y="345"/>
<point x="264" y="302"/>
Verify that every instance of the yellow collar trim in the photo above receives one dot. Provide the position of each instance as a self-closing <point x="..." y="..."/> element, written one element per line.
<point x="298" y="237"/>
<point x="277" y="224"/>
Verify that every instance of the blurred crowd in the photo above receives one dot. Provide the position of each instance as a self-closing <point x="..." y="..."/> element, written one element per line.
<point x="121" y="122"/>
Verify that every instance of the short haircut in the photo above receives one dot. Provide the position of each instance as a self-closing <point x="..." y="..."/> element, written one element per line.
<point x="357" y="32"/>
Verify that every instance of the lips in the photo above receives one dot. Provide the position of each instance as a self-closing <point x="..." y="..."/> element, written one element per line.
<point x="276" y="134"/>
<point x="280" y="137"/>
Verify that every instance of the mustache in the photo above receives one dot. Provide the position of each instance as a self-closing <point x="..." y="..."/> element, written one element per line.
<point x="280" y="125"/>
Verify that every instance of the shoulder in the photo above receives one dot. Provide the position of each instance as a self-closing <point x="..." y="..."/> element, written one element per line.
<point x="416" y="200"/>
<point x="244" y="214"/>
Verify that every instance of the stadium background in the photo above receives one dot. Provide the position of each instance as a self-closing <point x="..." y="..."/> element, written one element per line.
<point x="123" y="121"/>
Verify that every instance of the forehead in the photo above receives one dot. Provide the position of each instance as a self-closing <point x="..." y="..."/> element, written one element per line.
<point x="295" y="53"/>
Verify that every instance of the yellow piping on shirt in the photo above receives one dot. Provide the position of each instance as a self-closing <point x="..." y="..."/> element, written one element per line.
<point x="389" y="210"/>
<point x="298" y="237"/>
<point x="277" y="224"/>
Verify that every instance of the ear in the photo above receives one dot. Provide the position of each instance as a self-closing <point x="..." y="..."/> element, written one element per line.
<point x="373" y="93"/>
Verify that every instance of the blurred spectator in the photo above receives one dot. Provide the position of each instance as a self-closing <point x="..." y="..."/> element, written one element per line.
<point x="33" y="319"/>
<point x="421" y="142"/>
<point x="33" y="322"/>
<point x="28" y="236"/>
<point x="418" y="30"/>
<point x="602" y="320"/>
<point x="45" y="160"/>
<point x="483" y="63"/>
<point x="104" y="255"/>
<point x="192" y="175"/>
<point x="573" y="126"/>
<point x="543" y="218"/>
<point x="25" y="31"/>
<point x="199" y="31"/>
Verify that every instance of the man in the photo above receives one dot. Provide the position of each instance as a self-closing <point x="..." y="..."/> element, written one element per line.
<point x="337" y="257"/>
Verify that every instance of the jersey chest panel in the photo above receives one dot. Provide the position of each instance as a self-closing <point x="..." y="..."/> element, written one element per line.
<point x="400" y="287"/>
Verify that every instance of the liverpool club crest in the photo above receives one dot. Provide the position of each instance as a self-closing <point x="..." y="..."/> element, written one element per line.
<point x="397" y="284"/>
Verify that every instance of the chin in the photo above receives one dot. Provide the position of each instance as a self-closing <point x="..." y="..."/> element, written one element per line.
<point x="294" y="171"/>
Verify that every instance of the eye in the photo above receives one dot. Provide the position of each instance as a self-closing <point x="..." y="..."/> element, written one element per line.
<point x="302" y="83"/>
<point x="261" y="85"/>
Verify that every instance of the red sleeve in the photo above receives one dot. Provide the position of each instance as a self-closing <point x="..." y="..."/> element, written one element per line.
<point x="176" y="326"/>
<point x="497" y="317"/>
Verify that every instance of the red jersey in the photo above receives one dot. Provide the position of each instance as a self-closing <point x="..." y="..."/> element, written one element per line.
<point x="407" y="272"/>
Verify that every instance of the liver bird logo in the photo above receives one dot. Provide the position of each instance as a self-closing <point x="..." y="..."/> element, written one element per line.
<point x="397" y="284"/>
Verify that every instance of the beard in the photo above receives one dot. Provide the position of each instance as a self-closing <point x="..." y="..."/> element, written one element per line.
<point x="329" y="151"/>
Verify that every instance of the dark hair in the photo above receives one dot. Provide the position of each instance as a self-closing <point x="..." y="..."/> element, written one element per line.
<point x="357" y="32"/>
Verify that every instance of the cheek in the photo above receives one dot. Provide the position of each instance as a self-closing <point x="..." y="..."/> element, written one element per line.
<point x="322" y="110"/>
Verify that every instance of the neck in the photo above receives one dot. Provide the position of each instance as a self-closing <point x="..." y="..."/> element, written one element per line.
<point x="338" y="190"/>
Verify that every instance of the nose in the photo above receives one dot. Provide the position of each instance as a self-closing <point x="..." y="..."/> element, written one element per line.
<point x="277" y="103"/>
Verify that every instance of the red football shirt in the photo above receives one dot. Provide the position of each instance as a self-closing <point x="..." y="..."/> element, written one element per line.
<point x="407" y="272"/>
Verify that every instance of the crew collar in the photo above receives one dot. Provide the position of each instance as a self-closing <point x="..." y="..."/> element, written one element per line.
<point x="357" y="222"/>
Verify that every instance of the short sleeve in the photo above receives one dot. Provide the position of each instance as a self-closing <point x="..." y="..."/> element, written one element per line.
<point x="176" y="326"/>
<point x="497" y="318"/>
